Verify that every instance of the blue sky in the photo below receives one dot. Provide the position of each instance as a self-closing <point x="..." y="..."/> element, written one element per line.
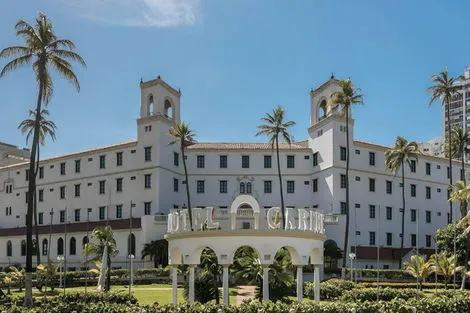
<point x="236" y="60"/>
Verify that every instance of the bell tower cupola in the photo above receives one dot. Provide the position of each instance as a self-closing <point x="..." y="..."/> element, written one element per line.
<point x="159" y="99"/>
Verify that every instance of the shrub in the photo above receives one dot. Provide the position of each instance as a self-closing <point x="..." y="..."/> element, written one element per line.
<point x="329" y="289"/>
<point x="109" y="297"/>
<point x="401" y="285"/>
<point x="386" y="294"/>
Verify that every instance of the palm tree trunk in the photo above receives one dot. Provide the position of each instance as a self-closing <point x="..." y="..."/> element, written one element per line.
<point x="283" y="213"/>
<point x="155" y="261"/>
<point x="463" y="204"/>
<point x="346" y="230"/>
<point x="449" y="133"/>
<point x="36" y="229"/>
<point x="402" y="212"/>
<point x="187" y="186"/>
<point x="108" y="278"/>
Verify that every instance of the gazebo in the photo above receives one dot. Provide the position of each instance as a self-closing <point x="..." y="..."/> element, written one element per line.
<point x="218" y="229"/>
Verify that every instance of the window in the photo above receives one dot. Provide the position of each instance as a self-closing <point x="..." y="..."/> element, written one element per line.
<point x="77" y="190"/>
<point x="389" y="239"/>
<point x="62" y="216"/>
<point x="201" y="161"/>
<point x="9" y="248"/>
<point x="176" y="185"/>
<point x="371" y="184"/>
<point x="148" y="154"/>
<point x="222" y="161"/>
<point x="413" y="190"/>
<point x="343" y="181"/>
<point x="357" y="178"/>
<point x="85" y="241"/>
<point x="119" y="184"/>
<point x="290" y="186"/>
<point x="315" y="159"/>
<point x="78" y="166"/>
<point x="242" y="187"/>
<point x="372" y="158"/>
<point x="413" y="215"/>
<point x="41" y="195"/>
<point x="176" y="159"/>
<point x="248" y="188"/>
<point x="372" y="238"/>
<point x="246" y="225"/>
<point x="389" y="187"/>
<point x="102" y="187"/>
<point x="9" y="188"/>
<point x="413" y="240"/>
<point x="267" y="161"/>
<point x="73" y="246"/>
<point x="26" y="175"/>
<point x="200" y="186"/>
<point x="60" y="246"/>
<point x="245" y="161"/>
<point x="41" y="172"/>
<point x="102" y="212"/>
<point x="119" y="211"/>
<point x="428" y="192"/>
<point x="23" y="247"/>
<point x="371" y="211"/>
<point x="428" y="216"/>
<point x="40" y="218"/>
<point x="45" y="247"/>
<point x="223" y="186"/>
<point x="147" y="208"/>
<point x="343" y="208"/>
<point x="62" y="168"/>
<point x="428" y="168"/>
<point x="290" y="161"/>
<point x="388" y="213"/>
<point x="148" y="181"/>
<point x="428" y="241"/>
<point x="118" y="158"/>
<point x="412" y="166"/>
<point x="268" y="186"/>
<point x="62" y="192"/>
<point x="77" y="215"/>
<point x="342" y="153"/>
<point x="315" y="185"/>
<point x="102" y="161"/>
<point x="8" y="210"/>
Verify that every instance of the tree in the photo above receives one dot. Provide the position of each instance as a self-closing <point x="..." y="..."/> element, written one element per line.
<point x="16" y="275"/>
<point x="185" y="136"/>
<point x="43" y="50"/>
<point x="46" y="127"/>
<point x="419" y="269"/>
<point x="444" y="87"/>
<point x="105" y="240"/>
<point x="444" y="265"/>
<point x="461" y="193"/>
<point x="346" y="97"/>
<point x="46" y="274"/>
<point x="276" y="126"/>
<point x="395" y="158"/>
<point x="157" y="250"/>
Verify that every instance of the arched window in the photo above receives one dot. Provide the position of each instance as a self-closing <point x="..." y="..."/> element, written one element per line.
<point x="151" y="106"/>
<point x="248" y="188"/>
<point x="84" y="242"/>
<point x="9" y="248"/>
<point x="131" y="244"/>
<point x="60" y="246"/>
<point x="45" y="246"/>
<point x="73" y="246"/>
<point x="168" y="109"/>
<point x="23" y="247"/>
<point x="322" y="110"/>
<point x="242" y="187"/>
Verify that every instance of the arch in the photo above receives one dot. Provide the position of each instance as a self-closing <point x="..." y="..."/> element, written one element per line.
<point x="73" y="246"/>
<point x="293" y="253"/>
<point x="45" y="247"/>
<point x="168" y="109"/>
<point x="244" y="199"/>
<point x="60" y="246"/>
<point x="85" y="240"/>
<point x="195" y="255"/>
<point x="23" y="247"/>
<point x="131" y="244"/>
<point x="9" y="248"/>
<point x="243" y="249"/>
<point x="322" y="109"/>
<point x="150" y="105"/>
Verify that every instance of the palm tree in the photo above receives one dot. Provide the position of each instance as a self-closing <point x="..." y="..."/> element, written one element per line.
<point x="46" y="127"/>
<point x="444" y="264"/>
<point x="461" y="193"/>
<point x="395" y="158"/>
<point x="444" y="87"/>
<point x="460" y="140"/>
<point x="43" y="50"/>
<point x="157" y="250"/>
<point x="346" y="97"/>
<point x="275" y="127"/>
<point x="105" y="240"/>
<point x="182" y="133"/>
<point x="419" y="269"/>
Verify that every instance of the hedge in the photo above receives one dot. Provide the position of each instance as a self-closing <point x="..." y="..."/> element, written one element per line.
<point x="386" y="294"/>
<point x="403" y="285"/>
<point x="329" y="289"/>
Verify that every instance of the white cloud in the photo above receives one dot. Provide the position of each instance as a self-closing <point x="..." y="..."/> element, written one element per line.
<point x="139" y="13"/>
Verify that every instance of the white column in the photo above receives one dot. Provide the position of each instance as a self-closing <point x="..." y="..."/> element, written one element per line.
<point x="225" y="284"/>
<point x="234" y="220"/>
<point x="266" y="284"/>
<point x="300" y="283"/>
<point x="191" y="283"/>
<point x="174" y="284"/>
<point x="316" y="281"/>
<point x="256" y="215"/>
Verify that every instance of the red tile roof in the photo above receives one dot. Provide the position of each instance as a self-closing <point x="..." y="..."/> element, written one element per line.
<point x="301" y="145"/>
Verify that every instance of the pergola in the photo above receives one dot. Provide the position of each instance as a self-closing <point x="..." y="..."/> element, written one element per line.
<point x="303" y="238"/>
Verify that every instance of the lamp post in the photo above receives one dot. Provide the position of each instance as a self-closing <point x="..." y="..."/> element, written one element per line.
<point x="85" y="247"/>
<point x="352" y="257"/>
<point x="60" y="259"/>
<point x="131" y="276"/>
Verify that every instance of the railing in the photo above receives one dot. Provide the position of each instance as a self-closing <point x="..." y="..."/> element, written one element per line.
<point x="160" y="218"/>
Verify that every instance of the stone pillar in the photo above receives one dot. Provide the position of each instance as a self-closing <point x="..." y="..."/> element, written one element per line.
<point x="316" y="282"/>
<point x="266" y="284"/>
<point x="174" y="284"/>
<point x="191" y="283"/>
<point x="300" y="283"/>
<point x="225" y="284"/>
<point x="256" y="216"/>
<point x="234" y="221"/>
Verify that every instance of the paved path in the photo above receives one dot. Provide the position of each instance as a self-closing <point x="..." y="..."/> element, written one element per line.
<point x="245" y="293"/>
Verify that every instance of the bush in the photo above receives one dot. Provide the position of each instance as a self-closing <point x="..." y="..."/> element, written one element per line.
<point x="402" y="285"/>
<point x="109" y="297"/>
<point x="329" y="289"/>
<point x="386" y="294"/>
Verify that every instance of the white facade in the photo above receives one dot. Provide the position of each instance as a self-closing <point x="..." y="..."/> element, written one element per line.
<point x="311" y="179"/>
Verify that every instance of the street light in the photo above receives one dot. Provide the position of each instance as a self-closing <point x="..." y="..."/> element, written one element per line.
<point x="352" y="257"/>
<point x="60" y="259"/>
